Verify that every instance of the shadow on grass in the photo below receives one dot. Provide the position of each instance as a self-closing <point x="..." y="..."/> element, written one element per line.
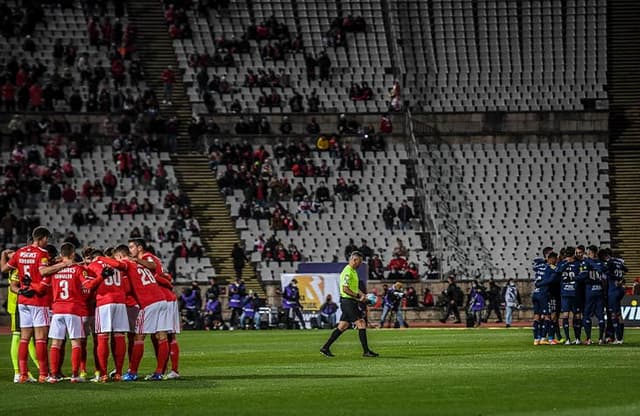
<point x="269" y="377"/>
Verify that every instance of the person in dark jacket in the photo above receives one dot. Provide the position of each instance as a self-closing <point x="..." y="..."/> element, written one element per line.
<point x="454" y="298"/>
<point x="291" y="304"/>
<point x="494" y="298"/>
<point x="239" y="259"/>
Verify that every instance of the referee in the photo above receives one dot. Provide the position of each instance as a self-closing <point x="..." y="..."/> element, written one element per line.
<point x="350" y="294"/>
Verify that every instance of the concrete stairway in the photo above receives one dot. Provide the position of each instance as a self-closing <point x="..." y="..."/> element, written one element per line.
<point x="156" y="50"/>
<point x="624" y="122"/>
<point x="218" y="232"/>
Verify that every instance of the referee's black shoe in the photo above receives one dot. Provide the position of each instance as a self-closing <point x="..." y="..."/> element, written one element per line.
<point x="370" y="354"/>
<point x="326" y="352"/>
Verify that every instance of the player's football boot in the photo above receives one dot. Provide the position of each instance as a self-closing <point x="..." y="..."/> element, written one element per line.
<point x="77" y="379"/>
<point x="618" y="342"/>
<point x="562" y="341"/>
<point x="130" y="376"/>
<point x="601" y="342"/>
<point x="553" y="342"/>
<point x="43" y="379"/>
<point x="116" y="377"/>
<point x="544" y="341"/>
<point x="536" y="342"/>
<point x="370" y="354"/>
<point x="172" y="375"/>
<point x="568" y="342"/>
<point x="587" y="342"/>
<point x="577" y="342"/>
<point x="154" y="377"/>
<point x="326" y="352"/>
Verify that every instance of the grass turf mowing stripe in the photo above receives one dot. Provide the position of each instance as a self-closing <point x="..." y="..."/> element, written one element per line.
<point x="443" y="372"/>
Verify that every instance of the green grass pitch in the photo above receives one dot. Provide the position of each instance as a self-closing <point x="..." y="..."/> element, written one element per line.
<point x="419" y="372"/>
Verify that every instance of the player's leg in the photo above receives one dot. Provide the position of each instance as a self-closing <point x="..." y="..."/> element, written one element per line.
<point x="143" y="322"/>
<point x="57" y="333"/>
<point x="599" y="312"/>
<point x="536" y="320"/>
<point x="41" y="321"/>
<point x="362" y="334"/>
<point x="586" y="319"/>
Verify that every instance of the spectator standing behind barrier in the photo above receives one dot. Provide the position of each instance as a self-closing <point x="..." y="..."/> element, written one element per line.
<point x="405" y="214"/>
<point x="239" y="259"/>
<point x="291" y="304"/>
<point x="388" y="216"/>
<point x="392" y="303"/>
<point x="328" y="312"/>
<point x="494" y="297"/>
<point x="476" y="306"/>
<point x="168" y="78"/>
<point x="236" y="293"/>
<point x="511" y="301"/>
<point x="454" y="298"/>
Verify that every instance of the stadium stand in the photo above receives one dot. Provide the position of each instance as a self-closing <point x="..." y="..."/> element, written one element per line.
<point x="449" y="57"/>
<point x="496" y="201"/>
<point x="502" y="55"/>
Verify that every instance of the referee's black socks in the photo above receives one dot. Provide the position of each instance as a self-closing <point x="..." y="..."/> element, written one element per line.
<point x="363" y="339"/>
<point x="334" y="336"/>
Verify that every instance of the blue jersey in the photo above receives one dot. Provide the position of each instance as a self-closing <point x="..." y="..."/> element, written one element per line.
<point x="549" y="278"/>
<point x="568" y="274"/>
<point x="615" y="270"/>
<point x="539" y="266"/>
<point x="591" y="273"/>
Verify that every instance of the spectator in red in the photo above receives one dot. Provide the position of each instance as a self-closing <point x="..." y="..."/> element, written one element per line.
<point x="133" y="206"/>
<point x="195" y="250"/>
<point x="67" y="169"/>
<point x="8" y="96"/>
<point x="94" y="33"/>
<point x="385" y="124"/>
<point x="411" y="273"/>
<point x="97" y="190"/>
<point x="427" y="299"/>
<point x="35" y="96"/>
<point x="87" y="189"/>
<point x="68" y="194"/>
<point x="182" y="250"/>
<point x="174" y="32"/>
<point x="21" y="77"/>
<point x="52" y="151"/>
<point x="170" y="14"/>
<point x="110" y="182"/>
<point x="168" y="78"/>
<point x="398" y="263"/>
<point x="117" y="72"/>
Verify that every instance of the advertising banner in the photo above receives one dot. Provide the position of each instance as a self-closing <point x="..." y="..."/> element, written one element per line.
<point x="631" y="310"/>
<point x="314" y="288"/>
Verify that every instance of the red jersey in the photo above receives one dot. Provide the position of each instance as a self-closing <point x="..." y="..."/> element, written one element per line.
<point x="162" y="278"/>
<point x="111" y="289"/>
<point x="143" y="283"/>
<point x="28" y="260"/>
<point x="67" y="291"/>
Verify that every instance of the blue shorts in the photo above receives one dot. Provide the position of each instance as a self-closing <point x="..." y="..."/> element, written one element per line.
<point x="554" y="304"/>
<point x="570" y="304"/>
<point x="540" y="304"/>
<point x="613" y="300"/>
<point x="594" y="306"/>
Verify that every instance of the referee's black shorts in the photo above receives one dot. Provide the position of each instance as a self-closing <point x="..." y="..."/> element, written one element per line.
<point x="350" y="310"/>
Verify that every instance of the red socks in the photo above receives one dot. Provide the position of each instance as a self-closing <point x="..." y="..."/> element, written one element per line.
<point x="23" y="356"/>
<point x="163" y="355"/>
<point x="54" y="360"/>
<point x="119" y="350"/>
<point x="136" y="356"/>
<point x="103" y="353"/>
<point x="174" y="349"/>
<point x="41" y="353"/>
<point x="76" y="358"/>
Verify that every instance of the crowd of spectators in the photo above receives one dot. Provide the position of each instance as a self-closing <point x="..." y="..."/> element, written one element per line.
<point x="273" y="249"/>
